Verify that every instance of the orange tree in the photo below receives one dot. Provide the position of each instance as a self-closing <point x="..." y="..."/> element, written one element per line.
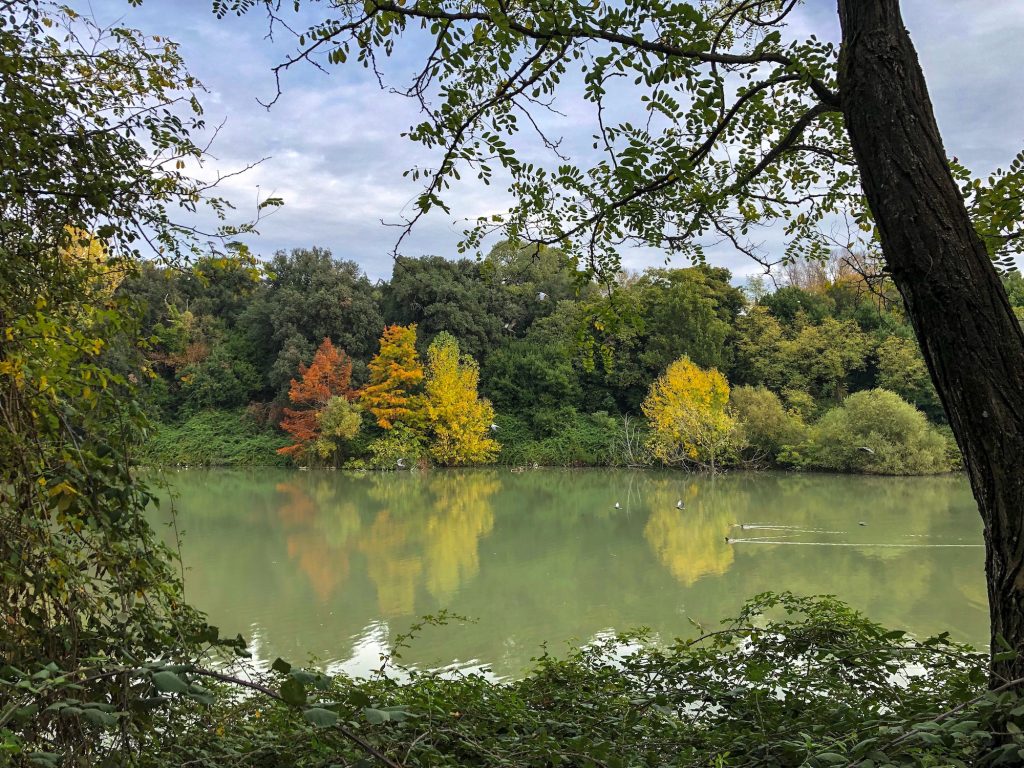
<point x="327" y="415"/>
<point x="395" y="374"/>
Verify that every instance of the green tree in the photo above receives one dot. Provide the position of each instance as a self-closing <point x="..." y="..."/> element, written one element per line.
<point x="527" y="378"/>
<point x="901" y="369"/>
<point x="309" y="296"/>
<point x="876" y="432"/>
<point x="92" y="122"/>
<point x="439" y="295"/>
<point x="766" y="426"/>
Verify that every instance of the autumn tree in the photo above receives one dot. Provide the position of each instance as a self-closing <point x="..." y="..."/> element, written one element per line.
<point x="326" y="417"/>
<point x="735" y="124"/>
<point x="686" y="409"/>
<point x="460" y="421"/>
<point x="395" y="376"/>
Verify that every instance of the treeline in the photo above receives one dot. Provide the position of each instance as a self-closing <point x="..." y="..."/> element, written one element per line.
<point x="532" y="364"/>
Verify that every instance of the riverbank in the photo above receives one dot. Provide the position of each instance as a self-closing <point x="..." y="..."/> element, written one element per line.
<point x="235" y="438"/>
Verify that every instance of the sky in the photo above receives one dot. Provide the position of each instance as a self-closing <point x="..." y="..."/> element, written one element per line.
<point x="331" y="146"/>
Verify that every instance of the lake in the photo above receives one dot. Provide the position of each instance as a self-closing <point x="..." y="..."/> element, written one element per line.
<point x="334" y="564"/>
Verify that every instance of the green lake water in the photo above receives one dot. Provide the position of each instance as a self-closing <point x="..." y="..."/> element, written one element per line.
<point x="333" y="564"/>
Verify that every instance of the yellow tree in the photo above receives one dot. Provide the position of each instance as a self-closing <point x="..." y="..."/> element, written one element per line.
<point x="459" y="419"/>
<point x="395" y="374"/>
<point x="686" y="409"/>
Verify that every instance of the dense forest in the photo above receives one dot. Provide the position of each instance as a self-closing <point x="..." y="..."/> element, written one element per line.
<point x="816" y="367"/>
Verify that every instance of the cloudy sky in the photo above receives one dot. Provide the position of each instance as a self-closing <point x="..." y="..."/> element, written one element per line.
<point x="335" y="155"/>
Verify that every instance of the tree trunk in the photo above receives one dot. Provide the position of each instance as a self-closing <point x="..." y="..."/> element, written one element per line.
<point x="970" y="338"/>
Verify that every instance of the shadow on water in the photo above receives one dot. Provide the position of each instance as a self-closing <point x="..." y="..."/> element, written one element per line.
<point x="333" y="564"/>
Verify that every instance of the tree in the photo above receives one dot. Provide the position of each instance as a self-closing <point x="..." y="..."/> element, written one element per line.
<point x="327" y="417"/>
<point x="901" y="369"/>
<point x="308" y="295"/>
<point x="687" y="412"/>
<point x="878" y="432"/>
<point x="460" y="421"/>
<point x="526" y="377"/>
<point x="767" y="427"/>
<point x="395" y="375"/>
<point x="438" y="295"/>
<point x="745" y="127"/>
<point x="95" y="129"/>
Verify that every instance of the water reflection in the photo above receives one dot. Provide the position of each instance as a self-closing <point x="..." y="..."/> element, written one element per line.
<point x="330" y="563"/>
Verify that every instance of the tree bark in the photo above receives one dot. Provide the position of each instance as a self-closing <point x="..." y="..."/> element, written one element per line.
<point x="970" y="338"/>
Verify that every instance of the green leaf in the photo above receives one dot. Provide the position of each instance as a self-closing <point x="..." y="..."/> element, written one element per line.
<point x="832" y="758"/>
<point x="376" y="716"/>
<point x="293" y="692"/>
<point x="169" y="682"/>
<point x="322" y="718"/>
<point x="282" y="666"/>
<point x="98" y="717"/>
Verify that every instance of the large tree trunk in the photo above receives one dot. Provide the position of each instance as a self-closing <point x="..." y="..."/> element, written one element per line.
<point x="971" y="340"/>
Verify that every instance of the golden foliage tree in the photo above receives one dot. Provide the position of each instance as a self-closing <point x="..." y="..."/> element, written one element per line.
<point x="395" y="374"/>
<point x="686" y="410"/>
<point x="326" y="415"/>
<point x="459" y="419"/>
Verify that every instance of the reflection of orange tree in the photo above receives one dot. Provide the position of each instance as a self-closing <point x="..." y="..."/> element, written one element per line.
<point x="312" y="523"/>
<point x="425" y="532"/>
<point x="689" y="542"/>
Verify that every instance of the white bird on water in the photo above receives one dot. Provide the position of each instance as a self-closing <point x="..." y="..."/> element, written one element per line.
<point x="400" y="463"/>
<point x="680" y="505"/>
<point x="617" y="505"/>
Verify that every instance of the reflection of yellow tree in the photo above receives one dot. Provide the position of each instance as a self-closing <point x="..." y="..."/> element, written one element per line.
<point x="462" y="514"/>
<point x="425" y="532"/>
<point x="689" y="542"/>
<point x="389" y="563"/>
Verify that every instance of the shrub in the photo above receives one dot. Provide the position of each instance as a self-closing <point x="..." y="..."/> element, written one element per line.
<point x="876" y="432"/>
<point x="580" y="440"/>
<point x="765" y="425"/>
<point x="214" y="438"/>
<point x="400" y="444"/>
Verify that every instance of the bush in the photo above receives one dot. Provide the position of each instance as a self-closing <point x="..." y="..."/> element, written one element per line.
<point x="790" y="682"/>
<point x="876" y="432"/>
<point x="766" y="426"/>
<point x="402" y="443"/>
<point x="215" y="438"/>
<point x="575" y="440"/>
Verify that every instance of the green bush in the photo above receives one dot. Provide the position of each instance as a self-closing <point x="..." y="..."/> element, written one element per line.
<point x="766" y="426"/>
<point x="572" y="440"/>
<point x="876" y="432"/>
<point x="790" y="682"/>
<point x="215" y="438"/>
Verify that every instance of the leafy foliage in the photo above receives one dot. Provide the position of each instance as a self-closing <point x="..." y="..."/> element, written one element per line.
<point x="395" y="374"/>
<point x="327" y="418"/>
<point x="213" y="438"/>
<point x="688" y="416"/>
<point x="879" y="433"/>
<point x="766" y="425"/>
<point x="460" y="421"/>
